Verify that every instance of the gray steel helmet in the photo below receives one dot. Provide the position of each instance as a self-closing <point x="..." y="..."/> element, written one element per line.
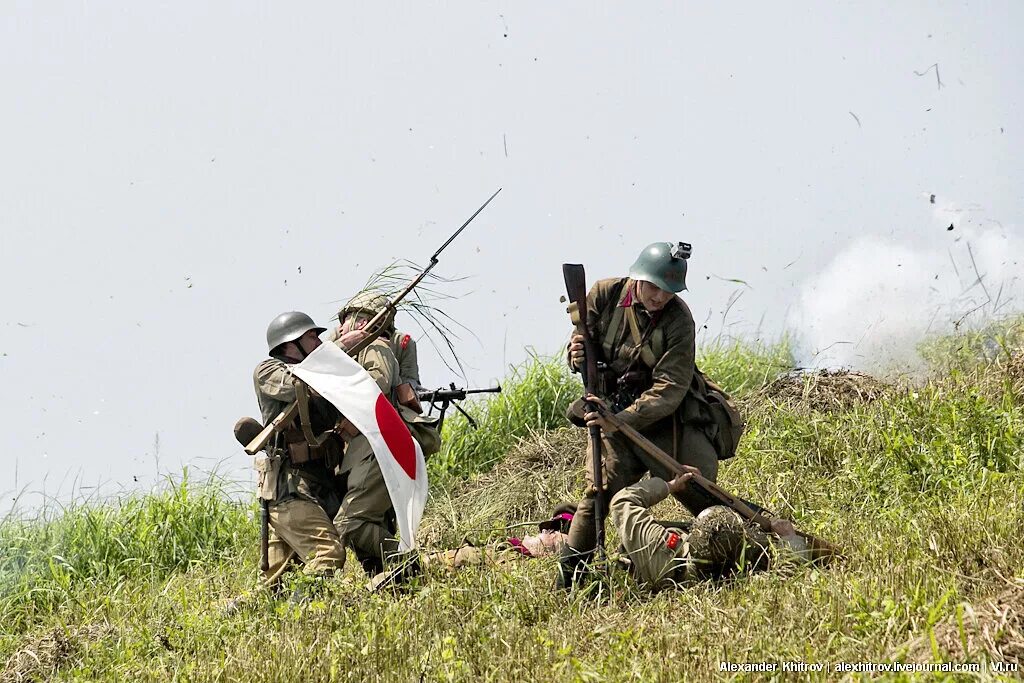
<point x="289" y="327"/>
<point x="663" y="264"/>
<point x="373" y="302"/>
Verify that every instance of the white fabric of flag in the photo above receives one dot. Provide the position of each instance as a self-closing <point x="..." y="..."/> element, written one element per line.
<point x="349" y="387"/>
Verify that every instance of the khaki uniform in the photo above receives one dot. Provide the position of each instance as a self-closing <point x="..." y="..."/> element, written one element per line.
<point x="403" y="346"/>
<point x="659" y="555"/>
<point x="663" y="556"/>
<point x="667" y="411"/>
<point x="302" y="499"/>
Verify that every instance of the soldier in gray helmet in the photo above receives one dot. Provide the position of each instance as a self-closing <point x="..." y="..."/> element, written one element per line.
<point x="646" y="337"/>
<point x="665" y="554"/>
<point x="330" y="495"/>
<point x="297" y="478"/>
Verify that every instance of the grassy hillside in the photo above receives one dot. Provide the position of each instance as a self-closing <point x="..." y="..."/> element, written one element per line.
<point x="920" y="484"/>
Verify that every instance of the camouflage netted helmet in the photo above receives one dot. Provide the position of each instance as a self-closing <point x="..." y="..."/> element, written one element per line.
<point x="663" y="264"/>
<point x="370" y="302"/>
<point x="289" y="327"/>
<point x="716" y="540"/>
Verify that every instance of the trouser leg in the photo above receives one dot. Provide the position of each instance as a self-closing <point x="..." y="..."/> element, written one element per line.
<point x="693" y="448"/>
<point x="302" y="527"/>
<point x="621" y="468"/>
<point x="361" y="521"/>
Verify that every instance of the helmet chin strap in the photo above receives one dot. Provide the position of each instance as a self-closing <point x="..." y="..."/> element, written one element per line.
<point x="287" y="359"/>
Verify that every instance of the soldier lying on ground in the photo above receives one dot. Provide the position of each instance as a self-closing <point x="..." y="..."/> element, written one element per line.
<point x="716" y="544"/>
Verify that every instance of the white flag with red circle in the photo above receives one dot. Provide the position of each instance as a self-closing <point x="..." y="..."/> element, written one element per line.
<point x="349" y="387"/>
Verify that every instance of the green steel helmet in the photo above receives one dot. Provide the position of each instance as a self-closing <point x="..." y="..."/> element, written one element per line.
<point x="289" y="327"/>
<point x="663" y="264"/>
<point x="372" y="302"/>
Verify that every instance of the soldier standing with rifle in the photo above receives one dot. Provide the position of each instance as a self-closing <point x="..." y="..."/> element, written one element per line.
<point x="643" y="339"/>
<point x="301" y="439"/>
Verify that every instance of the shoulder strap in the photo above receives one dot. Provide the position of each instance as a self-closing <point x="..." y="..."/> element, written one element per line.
<point x="640" y="348"/>
<point x="611" y="335"/>
<point x="302" y="399"/>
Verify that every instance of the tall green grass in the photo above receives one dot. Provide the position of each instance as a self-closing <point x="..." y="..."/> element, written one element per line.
<point x="999" y="340"/>
<point x="537" y="393"/>
<point x="43" y="561"/>
<point x="534" y="398"/>
<point x="921" y="488"/>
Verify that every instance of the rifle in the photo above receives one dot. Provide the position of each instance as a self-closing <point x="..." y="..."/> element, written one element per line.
<point x="372" y="328"/>
<point x="448" y="397"/>
<point x="820" y="549"/>
<point x="246" y="430"/>
<point x="576" y="287"/>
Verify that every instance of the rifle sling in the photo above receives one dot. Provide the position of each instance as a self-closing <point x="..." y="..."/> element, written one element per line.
<point x="302" y="399"/>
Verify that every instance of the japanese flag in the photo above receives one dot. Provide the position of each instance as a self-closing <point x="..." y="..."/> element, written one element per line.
<point x="345" y="383"/>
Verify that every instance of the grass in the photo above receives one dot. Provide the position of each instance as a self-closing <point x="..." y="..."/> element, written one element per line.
<point x="921" y="487"/>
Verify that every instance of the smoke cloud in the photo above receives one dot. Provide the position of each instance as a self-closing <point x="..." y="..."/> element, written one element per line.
<point x="879" y="298"/>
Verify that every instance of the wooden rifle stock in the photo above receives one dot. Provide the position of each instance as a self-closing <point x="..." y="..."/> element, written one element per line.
<point x="576" y="289"/>
<point x="820" y="548"/>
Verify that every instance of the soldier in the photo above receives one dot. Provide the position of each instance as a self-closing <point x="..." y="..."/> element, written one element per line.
<point x="366" y="519"/>
<point x="360" y="309"/>
<point x="646" y="336"/>
<point x="663" y="555"/>
<point x="354" y="316"/>
<point x="297" y="477"/>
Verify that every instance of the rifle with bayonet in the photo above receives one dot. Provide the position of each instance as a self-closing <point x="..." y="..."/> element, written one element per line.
<point x="450" y="397"/>
<point x="373" y="329"/>
<point x="576" y="288"/>
<point x="819" y="549"/>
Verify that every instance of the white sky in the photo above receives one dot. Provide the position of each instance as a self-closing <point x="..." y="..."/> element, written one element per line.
<point x="168" y="168"/>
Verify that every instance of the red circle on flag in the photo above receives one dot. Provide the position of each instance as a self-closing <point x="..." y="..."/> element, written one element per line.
<point x="396" y="435"/>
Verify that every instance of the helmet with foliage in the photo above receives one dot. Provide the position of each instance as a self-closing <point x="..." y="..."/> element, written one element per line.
<point x="369" y="303"/>
<point x="289" y="327"/>
<point x="716" y="540"/>
<point x="663" y="264"/>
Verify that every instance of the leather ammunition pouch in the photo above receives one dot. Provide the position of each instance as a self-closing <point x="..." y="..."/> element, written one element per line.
<point x="301" y="452"/>
<point x="406" y="396"/>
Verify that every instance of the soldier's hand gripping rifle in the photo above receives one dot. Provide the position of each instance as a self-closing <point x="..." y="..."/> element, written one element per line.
<point x="819" y="549"/>
<point x="373" y="328"/>
<point x="576" y="288"/>
<point x="449" y="397"/>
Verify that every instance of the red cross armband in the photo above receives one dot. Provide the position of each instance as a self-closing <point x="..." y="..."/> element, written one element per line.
<point x="405" y="341"/>
<point x="673" y="540"/>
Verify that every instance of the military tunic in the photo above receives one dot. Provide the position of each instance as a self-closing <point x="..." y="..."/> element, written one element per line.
<point x="663" y="556"/>
<point x="666" y="411"/>
<point x="302" y="499"/>
<point x="403" y="346"/>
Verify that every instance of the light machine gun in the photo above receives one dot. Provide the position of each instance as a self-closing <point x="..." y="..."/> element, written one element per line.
<point x="449" y="397"/>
